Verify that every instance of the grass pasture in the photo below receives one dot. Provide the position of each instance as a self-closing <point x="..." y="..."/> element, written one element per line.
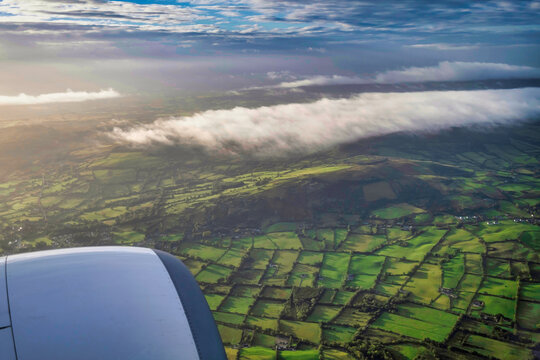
<point x="334" y="354"/>
<point x="299" y="355"/>
<point x="338" y="333"/>
<point x="304" y="275"/>
<point x="408" y="351"/>
<point x="473" y="264"/>
<point x="214" y="300"/>
<point x="327" y="236"/>
<point x="397" y="211"/>
<point x="236" y="304"/>
<point x="529" y="291"/>
<point x="340" y="235"/>
<point x="263" y="323"/>
<point x="425" y="313"/>
<point x="276" y="293"/>
<point x="499" y="268"/>
<point x="230" y="335"/>
<point x="414" y="328"/>
<point x="362" y="243"/>
<point x="494" y="305"/>
<point x="334" y="270"/>
<point x="463" y="240"/>
<point x="281" y="266"/>
<point x="213" y="274"/>
<point x="362" y="281"/>
<point x="201" y="251"/>
<point x="310" y="257"/>
<point x="498" y="349"/>
<point x="364" y="270"/>
<point x="424" y="284"/>
<point x="395" y="266"/>
<point x="342" y="297"/>
<point x="498" y="287"/>
<point x="248" y="277"/>
<point x="387" y="289"/>
<point x="453" y="270"/>
<point x="323" y="313"/>
<point x="260" y="339"/>
<point x="259" y="258"/>
<point x="232" y="257"/>
<point x="513" y="250"/>
<point x="366" y="264"/>
<point x="281" y="227"/>
<point x="396" y="233"/>
<point x="302" y="330"/>
<point x="529" y="315"/>
<point x="257" y="353"/>
<point x="267" y="308"/>
<point x="246" y="291"/>
<point x="505" y="230"/>
<point x="352" y="317"/>
<point x="228" y="318"/>
<point x="285" y="240"/>
<point x="416" y="248"/>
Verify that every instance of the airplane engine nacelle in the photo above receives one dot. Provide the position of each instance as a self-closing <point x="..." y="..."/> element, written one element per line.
<point x="103" y="303"/>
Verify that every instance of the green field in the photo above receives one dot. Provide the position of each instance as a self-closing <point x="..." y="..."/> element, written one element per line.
<point x="230" y="335"/>
<point x="416" y="248"/>
<point x="494" y="305"/>
<point x="310" y="257"/>
<point x="213" y="273"/>
<point x="453" y="271"/>
<point x="302" y="330"/>
<point x="397" y="211"/>
<point x="214" y="300"/>
<point x="304" y="275"/>
<point x="267" y="308"/>
<point x="337" y="333"/>
<point x="414" y="328"/>
<point x="334" y="270"/>
<point x="497" y="349"/>
<point x="424" y="284"/>
<point x="258" y="353"/>
<point x="499" y="287"/>
<point x="238" y="305"/>
<point x="323" y="313"/>
<point x="362" y="243"/>
<point x="352" y="317"/>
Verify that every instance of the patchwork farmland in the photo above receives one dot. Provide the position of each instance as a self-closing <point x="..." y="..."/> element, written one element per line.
<point x="413" y="284"/>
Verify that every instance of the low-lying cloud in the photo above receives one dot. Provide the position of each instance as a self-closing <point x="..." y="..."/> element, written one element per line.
<point x="281" y="129"/>
<point x="444" y="71"/>
<point x="62" y="97"/>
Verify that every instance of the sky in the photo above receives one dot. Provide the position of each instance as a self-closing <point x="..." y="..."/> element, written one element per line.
<point x="87" y="51"/>
<point x="142" y="47"/>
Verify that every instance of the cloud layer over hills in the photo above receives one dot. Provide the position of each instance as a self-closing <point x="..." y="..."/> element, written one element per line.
<point x="63" y="97"/>
<point x="280" y="129"/>
<point x="444" y="71"/>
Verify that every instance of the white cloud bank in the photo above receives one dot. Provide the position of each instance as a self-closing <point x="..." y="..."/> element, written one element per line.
<point x="63" y="97"/>
<point x="444" y="71"/>
<point x="280" y="129"/>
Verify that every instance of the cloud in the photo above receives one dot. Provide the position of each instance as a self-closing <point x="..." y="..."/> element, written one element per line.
<point x="444" y="71"/>
<point x="63" y="97"/>
<point x="458" y="71"/>
<point x="443" y="46"/>
<point x="281" y="129"/>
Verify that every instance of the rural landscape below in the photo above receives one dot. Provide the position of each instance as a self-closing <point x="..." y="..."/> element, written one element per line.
<point x="341" y="184"/>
